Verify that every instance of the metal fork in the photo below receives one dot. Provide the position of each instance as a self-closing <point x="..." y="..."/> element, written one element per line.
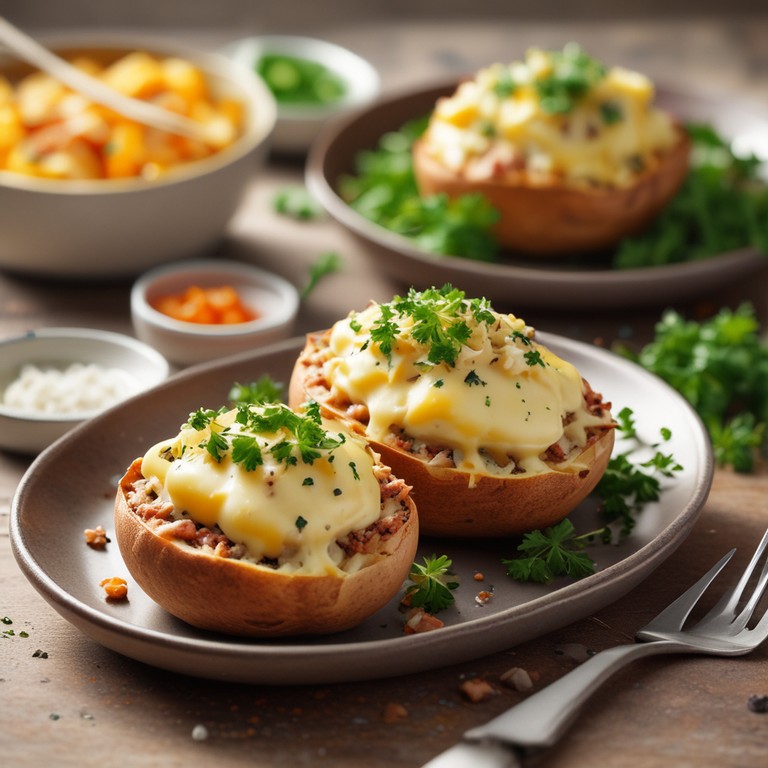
<point x="541" y="719"/>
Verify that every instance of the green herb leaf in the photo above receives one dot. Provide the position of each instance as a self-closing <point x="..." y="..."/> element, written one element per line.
<point x="553" y="552"/>
<point x="297" y="203"/>
<point x="326" y="264"/>
<point x="432" y="584"/>
<point x="264" y="390"/>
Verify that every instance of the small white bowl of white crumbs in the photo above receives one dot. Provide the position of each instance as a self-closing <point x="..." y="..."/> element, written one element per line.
<point x="53" y="379"/>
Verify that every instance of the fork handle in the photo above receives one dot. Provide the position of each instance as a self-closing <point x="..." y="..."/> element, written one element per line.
<point x="541" y="719"/>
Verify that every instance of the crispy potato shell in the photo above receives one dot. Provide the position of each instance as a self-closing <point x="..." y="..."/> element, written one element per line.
<point x="560" y="220"/>
<point x="235" y="597"/>
<point x="451" y="503"/>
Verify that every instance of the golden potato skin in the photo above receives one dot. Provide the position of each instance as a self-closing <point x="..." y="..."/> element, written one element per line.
<point x="234" y="597"/>
<point x="448" y="503"/>
<point x="558" y="220"/>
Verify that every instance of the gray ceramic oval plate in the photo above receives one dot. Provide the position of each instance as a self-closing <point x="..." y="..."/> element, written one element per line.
<point x="71" y="487"/>
<point x="531" y="283"/>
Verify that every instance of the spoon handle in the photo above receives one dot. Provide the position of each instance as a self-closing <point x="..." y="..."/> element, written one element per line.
<point x="135" y="109"/>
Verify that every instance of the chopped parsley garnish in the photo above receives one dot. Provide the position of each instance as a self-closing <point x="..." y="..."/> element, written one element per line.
<point x="216" y="445"/>
<point x="354" y="324"/>
<point x="627" y="484"/>
<point x="305" y="437"/>
<point x="472" y="379"/>
<point x="611" y="113"/>
<point x="353" y="467"/>
<point x="246" y="452"/>
<point x="439" y="321"/>
<point x="533" y="357"/>
<point x="487" y="401"/>
<point x="337" y="491"/>
<point x="264" y="390"/>
<point x="573" y="74"/>
<point x="300" y="523"/>
<point x="624" y="488"/>
<point x="553" y="552"/>
<point x="439" y="384"/>
<point x="308" y="481"/>
<point x="432" y="584"/>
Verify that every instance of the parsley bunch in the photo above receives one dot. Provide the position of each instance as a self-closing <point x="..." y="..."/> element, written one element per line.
<point x="440" y="321"/>
<point x="722" y="206"/>
<point x="720" y="366"/>
<point x="431" y="584"/>
<point x="384" y="191"/>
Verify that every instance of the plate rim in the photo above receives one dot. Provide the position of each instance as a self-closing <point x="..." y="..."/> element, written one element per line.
<point x="736" y="262"/>
<point x="235" y="654"/>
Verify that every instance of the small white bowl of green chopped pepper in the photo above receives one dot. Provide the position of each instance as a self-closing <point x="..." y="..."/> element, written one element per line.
<point x="312" y="81"/>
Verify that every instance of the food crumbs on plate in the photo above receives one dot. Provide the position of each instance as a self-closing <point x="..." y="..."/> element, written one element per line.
<point x="115" y="588"/>
<point x="481" y="598"/>
<point x="479" y="576"/>
<point x="517" y="678"/>
<point x="219" y="305"/>
<point x="96" y="537"/>
<point x="199" y="732"/>
<point x="38" y="654"/>
<point x="477" y="689"/>
<point x="394" y="712"/>
<point x="418" y="621"/>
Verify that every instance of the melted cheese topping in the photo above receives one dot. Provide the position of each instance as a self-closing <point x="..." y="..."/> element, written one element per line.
<point x="499" y="408"/>
<point x="612" y="134"/>
<point x="292" y="514"/>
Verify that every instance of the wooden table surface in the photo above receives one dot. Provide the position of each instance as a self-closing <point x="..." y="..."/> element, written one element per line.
<point x="84" y="705"/>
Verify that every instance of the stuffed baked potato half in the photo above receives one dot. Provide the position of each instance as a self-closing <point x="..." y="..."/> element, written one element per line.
<point x="260" y="522"/>
<point x="496" y="434"/>
<point x="574" y="156"/>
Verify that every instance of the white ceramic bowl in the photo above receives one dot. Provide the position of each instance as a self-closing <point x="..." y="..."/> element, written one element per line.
<point x="297" y="125"/>
<point x="29" y="431"/>
<point x="109" y="227"/>
<point x="275" y="300"/>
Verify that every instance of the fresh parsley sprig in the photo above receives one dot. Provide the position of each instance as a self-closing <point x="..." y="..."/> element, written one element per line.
<point x="432" y="584"/>
<point x="306" y="438"/>
<point x="554" y="552"/>
<point x="628" y="484"/>
<point x="264" y="390"/>
<point x="439" y="321"/>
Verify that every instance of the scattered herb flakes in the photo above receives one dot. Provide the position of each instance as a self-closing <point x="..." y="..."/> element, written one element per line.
<point x="6" y="620"/>
<point x="308" y="481"/>
<point x="38" y="654"/>
<point x="432" y="584"/>
<point x="300" y="523"/>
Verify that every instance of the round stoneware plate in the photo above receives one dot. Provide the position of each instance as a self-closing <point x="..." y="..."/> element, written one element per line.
<point x="532" y="283"/>
<point x="71" y="486"/>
